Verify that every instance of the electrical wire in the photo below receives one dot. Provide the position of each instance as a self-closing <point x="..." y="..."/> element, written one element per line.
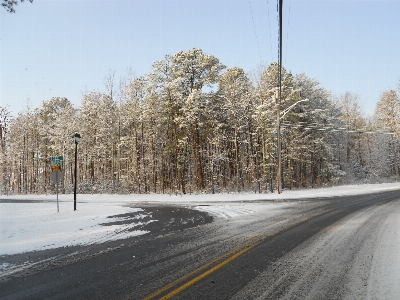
<point x="255" y="32"/>
<point x="287" y="35"/>
<point x="270" y="36"/>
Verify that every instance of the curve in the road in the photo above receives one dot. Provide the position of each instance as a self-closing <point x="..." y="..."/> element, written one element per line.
<point x="242" y="266"/>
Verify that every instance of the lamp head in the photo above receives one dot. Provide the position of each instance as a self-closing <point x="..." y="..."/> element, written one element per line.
<point x="76" y="137"/>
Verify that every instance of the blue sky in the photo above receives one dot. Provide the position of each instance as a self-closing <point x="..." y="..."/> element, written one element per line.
<point x="62" y="48"/>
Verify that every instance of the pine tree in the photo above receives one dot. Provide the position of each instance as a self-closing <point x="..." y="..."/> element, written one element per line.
<point x="311" y="143"/>
<point x="5" y="120"/>
<point x="97" y="117"/>
<point x="237" y="108"/>
<point x="388" y="115"/>
<point x="266" y="114"/>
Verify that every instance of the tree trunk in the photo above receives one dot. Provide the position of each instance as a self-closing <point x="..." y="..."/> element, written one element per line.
<point x="396" y="168"/>
<point x="197" y="155"/>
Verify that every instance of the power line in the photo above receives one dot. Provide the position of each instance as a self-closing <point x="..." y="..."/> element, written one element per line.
<point x="255" y="32"/>
<point x="287" y="34"/>
<point x="270" y="37"/>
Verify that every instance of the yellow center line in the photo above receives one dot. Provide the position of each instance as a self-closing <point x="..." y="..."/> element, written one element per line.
<point x="183" y="278"/>
<point x="201" y="276"/>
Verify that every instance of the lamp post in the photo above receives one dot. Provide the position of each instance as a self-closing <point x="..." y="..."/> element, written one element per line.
<point x="76" y="138"/>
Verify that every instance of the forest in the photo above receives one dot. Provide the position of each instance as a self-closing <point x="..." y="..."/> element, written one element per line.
<point x="192" y="125"/>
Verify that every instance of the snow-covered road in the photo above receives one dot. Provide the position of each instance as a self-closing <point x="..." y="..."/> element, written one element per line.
<point x="360" y="254"/>
<point x="384" y="275"/>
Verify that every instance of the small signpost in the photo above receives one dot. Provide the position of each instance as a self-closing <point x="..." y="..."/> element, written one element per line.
<point x="57" y="175"/>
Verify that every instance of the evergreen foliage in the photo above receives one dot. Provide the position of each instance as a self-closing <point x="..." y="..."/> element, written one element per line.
<point x="193" y="126"/>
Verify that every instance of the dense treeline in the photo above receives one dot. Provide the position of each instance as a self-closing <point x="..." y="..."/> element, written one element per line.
<point x="192" y="125"/>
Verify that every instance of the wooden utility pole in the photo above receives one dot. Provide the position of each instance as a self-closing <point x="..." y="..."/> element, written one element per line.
<point x="279" y="147"/>
<point x="278" y="102"/>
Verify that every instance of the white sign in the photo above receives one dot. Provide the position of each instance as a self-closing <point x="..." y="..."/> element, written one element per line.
<point x="56" y="176"/>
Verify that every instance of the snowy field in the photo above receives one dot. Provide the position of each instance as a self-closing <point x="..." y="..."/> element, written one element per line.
<point x="37" y="226"/>
<point x="31" y="226"/>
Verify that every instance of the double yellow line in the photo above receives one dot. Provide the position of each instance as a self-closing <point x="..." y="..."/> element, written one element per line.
<point x="223" y="260"/>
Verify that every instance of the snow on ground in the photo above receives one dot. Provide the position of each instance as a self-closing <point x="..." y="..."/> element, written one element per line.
<point x="346" y="190"/>
<point x="37" y="225"/>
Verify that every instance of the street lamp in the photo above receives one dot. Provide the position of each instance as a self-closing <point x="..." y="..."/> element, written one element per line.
<point x="76" y="138"/>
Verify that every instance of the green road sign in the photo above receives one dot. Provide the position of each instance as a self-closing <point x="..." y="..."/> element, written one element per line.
<point x="56" y="160"/>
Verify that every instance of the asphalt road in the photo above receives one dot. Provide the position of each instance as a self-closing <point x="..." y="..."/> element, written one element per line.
<point x="187" y="260"/>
